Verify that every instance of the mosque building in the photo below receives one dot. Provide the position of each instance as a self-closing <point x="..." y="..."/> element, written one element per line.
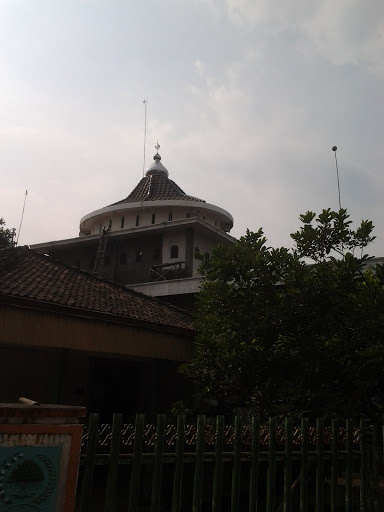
<point x="152" y="241"/>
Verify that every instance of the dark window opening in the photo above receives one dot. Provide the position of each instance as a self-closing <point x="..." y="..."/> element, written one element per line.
<point x="156" y="253"/>
<point x="137" y="220"/>
<point x="197" y="253"/>
<point x="188" y="215"/>
<point x="123" y="259"/>
<point x="153" y="218"/>
<point x="110" y="223"/>
<point x="170" y="216"/>
<point x="122" y="223"/>
<point x="100" y="228"/>
<point x="174" y="251"/>
<point x="139" y="255"/>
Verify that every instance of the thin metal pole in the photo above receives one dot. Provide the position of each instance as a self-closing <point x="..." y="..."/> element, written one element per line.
<point x="145" y="130"/>
<point x="22" y="215"/>
<point x="334" y="149"/>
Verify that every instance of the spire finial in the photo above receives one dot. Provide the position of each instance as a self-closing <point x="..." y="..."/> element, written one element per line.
<point x="157" y="147"/>
<point x="157" y="167"/>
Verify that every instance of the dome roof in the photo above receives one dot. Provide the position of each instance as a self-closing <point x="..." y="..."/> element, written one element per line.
<point x="156" y="186"/>
<point x="157" y="167"/>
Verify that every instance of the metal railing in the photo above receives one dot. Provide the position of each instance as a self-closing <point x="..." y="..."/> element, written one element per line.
<point x="168" y="271"/>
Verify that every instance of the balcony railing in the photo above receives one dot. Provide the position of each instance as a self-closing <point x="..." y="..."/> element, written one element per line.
<point x="168" y="271"/>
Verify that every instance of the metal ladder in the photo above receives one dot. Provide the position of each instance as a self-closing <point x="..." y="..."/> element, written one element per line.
<point x="101" y="251"/>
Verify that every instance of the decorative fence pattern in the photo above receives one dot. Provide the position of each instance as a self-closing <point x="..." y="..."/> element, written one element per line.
<point x="207" y="465"/>
<point x="127" y="437"/>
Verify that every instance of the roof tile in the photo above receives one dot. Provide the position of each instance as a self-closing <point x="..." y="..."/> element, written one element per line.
<point x="157" y="187"/>
<point x="28" y="274"/>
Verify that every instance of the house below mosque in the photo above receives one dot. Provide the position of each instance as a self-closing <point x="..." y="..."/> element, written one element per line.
<point x="152" y="241"/>
<point x="67" y="336"/>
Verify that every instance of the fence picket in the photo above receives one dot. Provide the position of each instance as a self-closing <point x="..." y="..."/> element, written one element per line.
<point x="319" y="464"/>
<point x="363" y="466"/>
<point x="179" y="454"/>
<point x="288" y="465"/>
<point x="136" y="464"/>
<point x="334" y="465"/>
<point x="271" y="465"/>
<point x="375" y="468"/>
<point x="348" y="466"/>
<point x="113" y="467"/>
<point x="90" y="456"/>
<point x="158" y="463"/>
<point x="235" y="494"/>
<point x="218" y="469"/>
<point x="254" y="471"/>
<point x="304" y="466"/>
<point x="198" y="479"/>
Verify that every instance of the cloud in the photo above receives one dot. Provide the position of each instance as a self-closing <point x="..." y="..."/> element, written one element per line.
<point x="342" y="32"/>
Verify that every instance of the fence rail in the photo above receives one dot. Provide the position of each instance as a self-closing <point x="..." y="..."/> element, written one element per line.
<point x="334" y="465"/>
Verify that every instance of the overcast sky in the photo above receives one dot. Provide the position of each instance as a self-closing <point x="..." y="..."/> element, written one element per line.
<point x="246" y="98"/>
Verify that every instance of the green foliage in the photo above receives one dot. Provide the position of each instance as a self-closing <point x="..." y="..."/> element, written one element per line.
<point x="6" y="235"/>
<point x="278" y="336"/>
<point x="332" y="234"/>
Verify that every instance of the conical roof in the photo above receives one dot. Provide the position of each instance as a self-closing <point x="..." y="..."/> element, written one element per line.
<point x="156" y="186"/>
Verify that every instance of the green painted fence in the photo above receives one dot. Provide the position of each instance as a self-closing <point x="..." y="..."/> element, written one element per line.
<point x="176" y="465"/>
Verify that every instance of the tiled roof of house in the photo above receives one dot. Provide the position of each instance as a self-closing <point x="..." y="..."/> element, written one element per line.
<point x="157" y="187"/>
<point x="26" y="274"/>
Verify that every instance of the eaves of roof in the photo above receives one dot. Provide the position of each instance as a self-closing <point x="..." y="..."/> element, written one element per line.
<point x="48" y="307"/>
<point x="137" y="231"/>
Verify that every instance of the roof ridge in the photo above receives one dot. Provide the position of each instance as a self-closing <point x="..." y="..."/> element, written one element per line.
<point x="9" y="256"/>
<point x="150" y="186"/>
<point x="115" y="284"/>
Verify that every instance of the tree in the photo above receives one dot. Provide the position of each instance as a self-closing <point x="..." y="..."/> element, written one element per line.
<point x="280" y="336"/>
<point x="6" y="235"/>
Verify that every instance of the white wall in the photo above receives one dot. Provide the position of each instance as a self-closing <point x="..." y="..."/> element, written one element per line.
<point x="176" y="238"/>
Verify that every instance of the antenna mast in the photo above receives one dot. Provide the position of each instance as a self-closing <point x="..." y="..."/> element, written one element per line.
<point x="22" y="215"/>
<point x="334" y="149"/>
<point x="145" y="130"/>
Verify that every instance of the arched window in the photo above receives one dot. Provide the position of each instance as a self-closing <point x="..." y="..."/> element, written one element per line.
<point x="153" y="218"/>
<point x="139" y="255"/>
<point x="170" y="216"/>
<point x="137" y="220"/>
<point x="123" y="259"/>
<point x="174" y="251"/>
<point x="122" y="223"/>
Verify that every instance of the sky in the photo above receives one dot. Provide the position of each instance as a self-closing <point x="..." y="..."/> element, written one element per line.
<point x="246" y="99"/>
